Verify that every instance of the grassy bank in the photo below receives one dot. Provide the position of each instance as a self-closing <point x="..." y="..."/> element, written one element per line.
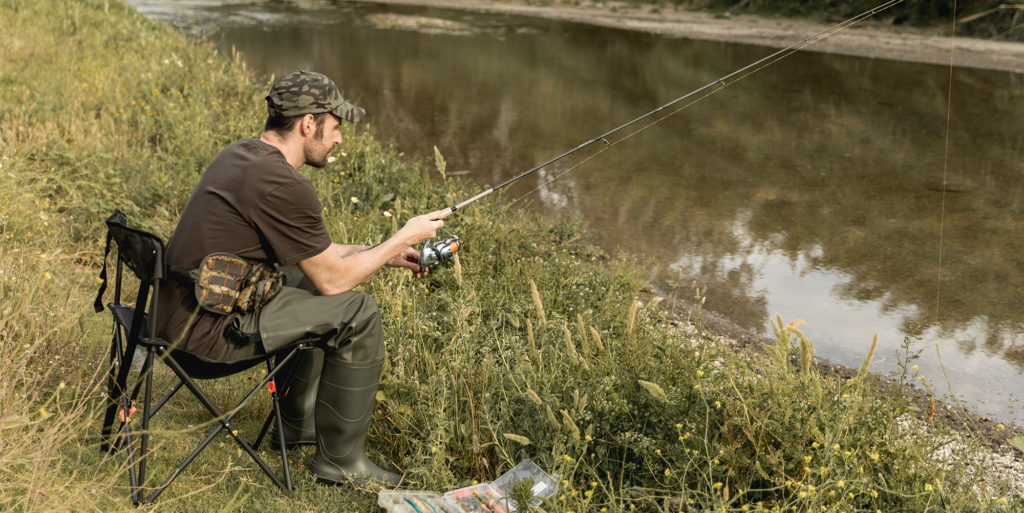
<point x="536" y="347"/>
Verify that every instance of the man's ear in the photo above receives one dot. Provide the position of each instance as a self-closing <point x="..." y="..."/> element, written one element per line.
<point x="307" y="125"/>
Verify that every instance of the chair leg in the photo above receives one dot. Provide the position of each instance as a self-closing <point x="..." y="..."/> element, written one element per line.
<point x="166" y="397"/>
<point x="163" y="486"/>
<point x="224" y="422"/>
<point x="144" y="446"/>
<point x="112" y="390"/>
<point x="115" y="395"/>
<point x="126" y="425"/>
<point x="264" y="430"/>
<point x="280" y="428"/>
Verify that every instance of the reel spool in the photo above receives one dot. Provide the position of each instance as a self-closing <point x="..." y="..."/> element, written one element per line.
<point x="439" y="252"/>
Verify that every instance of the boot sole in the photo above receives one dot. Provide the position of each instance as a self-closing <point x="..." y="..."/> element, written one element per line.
<point x="348" y="481"/>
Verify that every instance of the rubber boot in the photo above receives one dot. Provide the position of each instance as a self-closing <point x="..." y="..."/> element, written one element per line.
<point x="300" y="379"/>
<point x="344" y="410"/>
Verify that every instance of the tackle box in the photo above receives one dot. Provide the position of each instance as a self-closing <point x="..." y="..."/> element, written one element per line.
<point x="544" y="485"/>
<point x="395" y="501"/>
<point x="482" y="497"/>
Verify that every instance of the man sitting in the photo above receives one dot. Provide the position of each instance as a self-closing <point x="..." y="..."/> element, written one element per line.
<point x="253" y="203"/>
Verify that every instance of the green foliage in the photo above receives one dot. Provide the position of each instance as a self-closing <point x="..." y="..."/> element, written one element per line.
<point x="1002" y="24"/>
<point x="522" y="494"/>
<point x="534" y="338"/>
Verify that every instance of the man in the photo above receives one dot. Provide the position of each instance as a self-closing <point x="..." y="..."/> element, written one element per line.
<point x="253" y="203"/>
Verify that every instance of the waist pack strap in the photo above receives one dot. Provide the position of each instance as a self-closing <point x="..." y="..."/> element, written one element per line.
<point x="239" y="337"/>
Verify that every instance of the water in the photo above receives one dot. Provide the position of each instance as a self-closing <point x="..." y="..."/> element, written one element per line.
<point x="812" y="188"/>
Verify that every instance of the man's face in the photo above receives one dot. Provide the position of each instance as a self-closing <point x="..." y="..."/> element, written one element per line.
<point x="319" y="145"/>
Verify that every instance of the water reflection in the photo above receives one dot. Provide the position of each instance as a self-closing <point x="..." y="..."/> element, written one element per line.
<point x="812" y="188"/>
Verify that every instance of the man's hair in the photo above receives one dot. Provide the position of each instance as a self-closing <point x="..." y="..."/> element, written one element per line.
<point x="284" y="126"/>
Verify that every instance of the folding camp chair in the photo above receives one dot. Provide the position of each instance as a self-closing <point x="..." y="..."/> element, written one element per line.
<point x="143" y="253"/>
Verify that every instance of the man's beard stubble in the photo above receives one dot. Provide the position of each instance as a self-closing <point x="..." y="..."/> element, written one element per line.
<point x="315" y="152"/>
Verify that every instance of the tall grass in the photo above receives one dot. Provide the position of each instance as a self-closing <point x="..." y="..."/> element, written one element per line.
<point x="537" y="348"/>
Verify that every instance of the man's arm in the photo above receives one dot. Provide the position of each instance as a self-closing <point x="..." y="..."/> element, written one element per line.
<point x="346" y="250"/>
<point x="341" y="268"/>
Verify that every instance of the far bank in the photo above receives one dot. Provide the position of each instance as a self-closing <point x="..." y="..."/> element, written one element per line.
<point x="871" y="38"/>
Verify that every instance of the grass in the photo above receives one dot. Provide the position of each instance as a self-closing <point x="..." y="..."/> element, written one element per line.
<point x="534" y="347"/>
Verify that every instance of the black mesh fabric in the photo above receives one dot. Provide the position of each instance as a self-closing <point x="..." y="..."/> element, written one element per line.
<point x="141" y="251"/>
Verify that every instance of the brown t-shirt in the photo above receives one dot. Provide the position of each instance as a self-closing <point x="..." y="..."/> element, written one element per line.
<point x="251" y="203"/>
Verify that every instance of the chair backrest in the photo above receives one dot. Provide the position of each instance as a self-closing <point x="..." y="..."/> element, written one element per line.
<point x="141" y="251"/>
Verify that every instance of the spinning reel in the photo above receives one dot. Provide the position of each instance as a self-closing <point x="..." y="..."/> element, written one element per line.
<point x="439" y="252"/>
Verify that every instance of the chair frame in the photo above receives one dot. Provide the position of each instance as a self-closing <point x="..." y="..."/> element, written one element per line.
<point x="130" y="333"/>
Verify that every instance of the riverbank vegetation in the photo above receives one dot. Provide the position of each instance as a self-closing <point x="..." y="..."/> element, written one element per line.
<point x="975" y="18"/>
<point x="535" y="346"/>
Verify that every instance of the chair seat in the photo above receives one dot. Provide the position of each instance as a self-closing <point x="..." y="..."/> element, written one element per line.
<point x="123" y="314"/>
<point x="198" y="367"/>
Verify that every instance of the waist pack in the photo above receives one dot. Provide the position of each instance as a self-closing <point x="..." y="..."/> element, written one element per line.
<point x="225" y="283"/>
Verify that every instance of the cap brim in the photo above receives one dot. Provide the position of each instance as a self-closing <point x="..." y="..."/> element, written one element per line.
<point x="349" y="112"/>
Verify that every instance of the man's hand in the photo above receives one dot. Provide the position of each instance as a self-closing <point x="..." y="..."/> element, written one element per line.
<point x="420" y="228"/>
<point x="409" y="259"/>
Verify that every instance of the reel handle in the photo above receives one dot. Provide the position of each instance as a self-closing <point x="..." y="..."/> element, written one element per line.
<point x="439" y="252"/>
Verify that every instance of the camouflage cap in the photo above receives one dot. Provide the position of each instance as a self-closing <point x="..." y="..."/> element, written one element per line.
<point x="307" y="92"/>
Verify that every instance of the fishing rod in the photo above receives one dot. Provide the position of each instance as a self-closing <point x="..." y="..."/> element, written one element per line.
<point x="445" y="250"/>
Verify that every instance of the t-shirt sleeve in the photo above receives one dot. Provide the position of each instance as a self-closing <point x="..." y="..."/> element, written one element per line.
<point x="291" y="224"/>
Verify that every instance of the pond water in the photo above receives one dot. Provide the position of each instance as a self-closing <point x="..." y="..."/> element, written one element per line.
<point x="812" y="189"/>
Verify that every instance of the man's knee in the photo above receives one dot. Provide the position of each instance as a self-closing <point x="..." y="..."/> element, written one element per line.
<point x="364" y="306"/>
<point x="361" y="341"/>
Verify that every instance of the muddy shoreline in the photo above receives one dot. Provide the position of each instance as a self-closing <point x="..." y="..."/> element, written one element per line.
<point x="870" y="38"/>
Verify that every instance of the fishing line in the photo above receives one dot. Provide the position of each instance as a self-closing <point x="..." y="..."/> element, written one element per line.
<point x="781" y="54"/>
<point x="945" y="162"/>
